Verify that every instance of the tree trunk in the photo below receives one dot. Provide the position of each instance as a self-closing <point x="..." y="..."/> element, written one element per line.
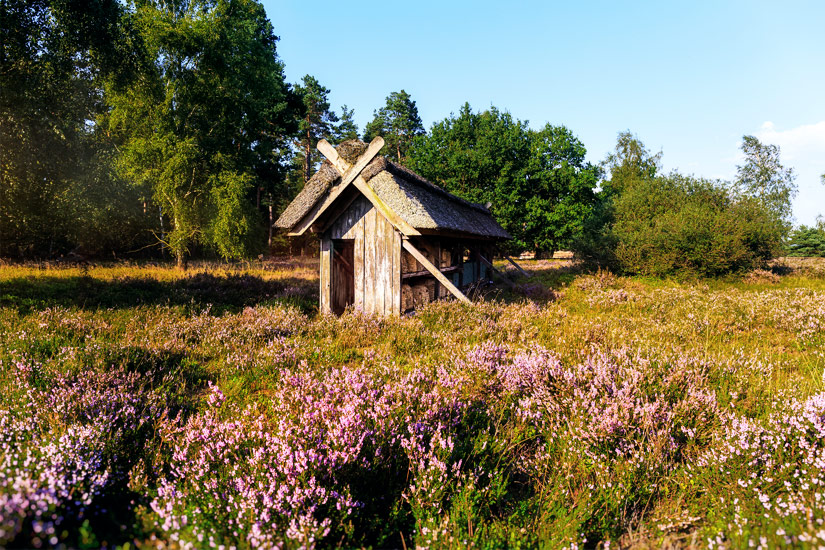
<point x="269" y="242"/>
<point x="162" y="233"/>
<point x="181" y="260"/>
<point x="307" y="153"/>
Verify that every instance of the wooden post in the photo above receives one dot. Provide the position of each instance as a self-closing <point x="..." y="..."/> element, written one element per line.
<point x="434" y="271"/>
<point x="396" y="272"/>
<point x="326" y="275"/>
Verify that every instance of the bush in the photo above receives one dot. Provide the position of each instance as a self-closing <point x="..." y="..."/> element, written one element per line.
<point x="679" y="225"/>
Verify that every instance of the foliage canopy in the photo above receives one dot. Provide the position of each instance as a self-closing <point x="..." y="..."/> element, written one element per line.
<point x="763" y="177"/>
<point x="57" y="190"/>
<point x="203" y="125"/>
<point x="537" y="182"/>
<point x="652" y="224"/>
<point x="807" y="241"/>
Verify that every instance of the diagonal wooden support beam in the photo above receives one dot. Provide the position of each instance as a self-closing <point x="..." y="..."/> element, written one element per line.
<point x="512" y="261"/>
<point x="489" y="264"/>
<point x="434" y="271"/>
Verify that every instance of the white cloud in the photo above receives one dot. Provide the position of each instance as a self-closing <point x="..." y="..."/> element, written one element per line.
<point x="805" y="143"/>
<point x="802" y="148"/>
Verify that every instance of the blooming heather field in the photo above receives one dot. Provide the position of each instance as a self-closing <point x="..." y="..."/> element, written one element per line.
<point x="145" y="407"/>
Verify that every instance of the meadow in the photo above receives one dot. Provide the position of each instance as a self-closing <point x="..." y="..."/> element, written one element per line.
<point x="144" y="407"/>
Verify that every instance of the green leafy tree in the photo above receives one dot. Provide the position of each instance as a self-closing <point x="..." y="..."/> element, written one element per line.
<point x="53" y="56"/>
<point x="681" y="225"/>
<point x="763" y="177"/>
<point x="316" y="121"/>
<point x="397" y="122"/>
<point x="630" y="162"/>
<point x="537" y="182"/>
<point x="628" y="165"/>
<point x="347" y="128"/>
<point x="204" y="125"/>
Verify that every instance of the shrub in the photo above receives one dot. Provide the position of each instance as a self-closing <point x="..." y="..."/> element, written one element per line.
<point x="679" y="225"/>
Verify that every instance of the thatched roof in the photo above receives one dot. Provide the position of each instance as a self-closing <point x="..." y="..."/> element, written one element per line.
<point x="417" y="201"/>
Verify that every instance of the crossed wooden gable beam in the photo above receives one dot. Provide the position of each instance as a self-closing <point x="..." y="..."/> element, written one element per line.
<point x="351" y="175"/>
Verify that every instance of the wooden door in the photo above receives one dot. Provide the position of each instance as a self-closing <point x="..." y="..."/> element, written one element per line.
<point x="343" y="275"/>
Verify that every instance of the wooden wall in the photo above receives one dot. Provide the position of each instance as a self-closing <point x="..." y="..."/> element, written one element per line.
<point x="376" y="259"/>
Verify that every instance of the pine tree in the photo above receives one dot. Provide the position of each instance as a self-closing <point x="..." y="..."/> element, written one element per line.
<point x="347" y="128"/>
<point x="397" y="122"/>
<point x="317" y="121"/>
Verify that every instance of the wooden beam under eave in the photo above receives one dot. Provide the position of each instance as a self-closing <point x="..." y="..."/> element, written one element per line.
<point x="408" y="246"/>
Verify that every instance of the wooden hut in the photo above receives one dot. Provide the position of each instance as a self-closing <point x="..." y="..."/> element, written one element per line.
<point x="390" y="240"/>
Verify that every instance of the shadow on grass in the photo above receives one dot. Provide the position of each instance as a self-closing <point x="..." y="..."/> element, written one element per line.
<point x="546" y="279"/>
<point x="223" y="293"/>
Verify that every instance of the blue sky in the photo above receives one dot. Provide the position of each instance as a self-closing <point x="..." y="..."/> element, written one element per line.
<point x="689" y="78"/>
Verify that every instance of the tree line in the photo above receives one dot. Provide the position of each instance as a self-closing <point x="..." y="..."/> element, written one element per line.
<point x="168" y="127"/>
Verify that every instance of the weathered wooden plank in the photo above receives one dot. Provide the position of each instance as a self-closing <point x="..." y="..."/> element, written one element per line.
<point x="389" y="232"/>
<point x="358" y="259"/>
<point x="380" y="261"/>
<point x="345" y="219"/>
<point x="408" y="246"/>
<point x="335" y="215"/>
<point x="512" y="261"/>
<point x="355" y="213"/>
<point x="413" y="274"/>
<point x="396" y="272"/>
<point x="326" y="275"/>
<point x="337" y="228"/>
<point x="369" y="261"/>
